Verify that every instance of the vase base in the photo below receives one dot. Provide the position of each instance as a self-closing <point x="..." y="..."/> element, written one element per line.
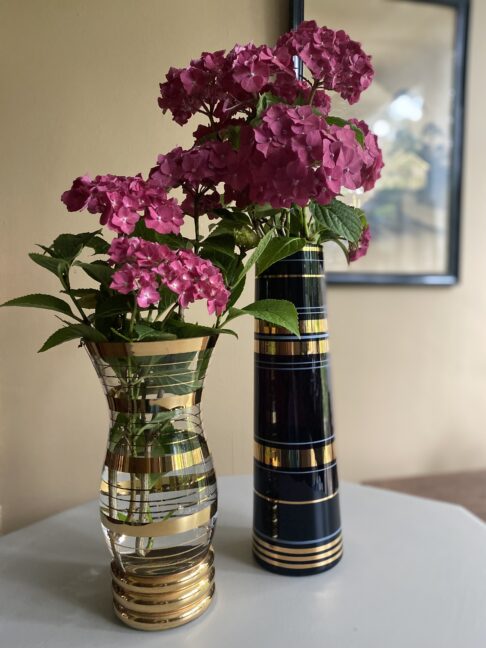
<point x="163" y="602"/>
<point x="297" y="562"/>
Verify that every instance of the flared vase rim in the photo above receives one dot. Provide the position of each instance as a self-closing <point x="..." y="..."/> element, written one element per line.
<point x="153" y="347"/>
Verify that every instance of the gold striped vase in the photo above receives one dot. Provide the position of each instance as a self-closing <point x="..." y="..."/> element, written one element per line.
<point x="297" y="529"/>
<point x="158" y="489"/>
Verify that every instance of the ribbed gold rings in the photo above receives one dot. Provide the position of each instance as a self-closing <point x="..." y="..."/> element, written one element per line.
<point x="162" y="602"/>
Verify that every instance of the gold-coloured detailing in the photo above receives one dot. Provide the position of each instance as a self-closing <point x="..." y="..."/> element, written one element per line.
<point x="294" y="458"/>
<point x="163" y="484"/>
<point x="299" y="559"/>
<point x="146" y="349"/>
<point x="286" y="565"/>
<point x="288" y="550"/>
<point x="306" y="326"/>
<point x="173" y="525"/>
<point x="292" y="276"/>
<point x="145" y="405"/>
<point x="294" y="503"/>
<point x="158" y="603"/>
<point x="165" y="463"/>
<point x="312" y="248"/>
<point x="292" y="347"/>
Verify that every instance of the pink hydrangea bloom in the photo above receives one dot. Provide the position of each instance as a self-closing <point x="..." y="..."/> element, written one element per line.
<point x="294" y="155"/>
<point x="122" y="201"/>
<point x="331" y="57"/>
<point x="360" y="250"/>
<point x="142" y="266"/>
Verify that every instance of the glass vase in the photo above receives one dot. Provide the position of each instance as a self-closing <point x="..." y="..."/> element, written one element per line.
<point x="297" y="529"/>
<point x="158" y="496"/>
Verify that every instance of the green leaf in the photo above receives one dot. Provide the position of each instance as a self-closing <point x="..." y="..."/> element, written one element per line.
<point x="146" y="332"/>
<point x="277" y="249"/>
<point x="57" y="266"/>
<point x="266" y="100"/>
<point x="42" y="301"/>
<point x="340" y="219"/>
<point x="187" y="330"/>
<point x="236" y="293"/>
<point x="72" y="332"/>
<point x="255" y="255"/>
<point x="167" y="298"/>
<point x="100" y="271"/>
<point x="275" y="311"/>
<point x="173" y="241"/>
<point x="68" y="246"/>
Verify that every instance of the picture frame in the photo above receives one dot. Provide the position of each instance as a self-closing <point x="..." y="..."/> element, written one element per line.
<point x="415" y="209"/>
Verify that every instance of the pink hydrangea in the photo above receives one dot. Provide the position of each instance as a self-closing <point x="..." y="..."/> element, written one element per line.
<point x="141" y="266"/>
<point x="360" y="250"/>
<point x="122" y="201"/>
<point x="332" y="58"/>
<point x="294" y="155"/>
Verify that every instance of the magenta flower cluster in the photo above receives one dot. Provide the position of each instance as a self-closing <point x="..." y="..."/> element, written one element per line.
<point x="294" y="155"/>
<point x="142" y="266"/>
<point x="122" y="201"/>
<point x="331" y="57"/>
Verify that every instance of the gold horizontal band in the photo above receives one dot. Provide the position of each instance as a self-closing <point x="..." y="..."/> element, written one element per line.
<point x="295" y="457"/>
<point x="305" y="326"/>
<point x="146" y="349"/>
<point x="288" y="550"/>
<point x="169" y="582"/>
<point x="299" y="559"/>
<point x="292" y="276"/>
<point x="160" y="621"/>
<point x="166" y="603"/>
<point x="284" y="565"/>
<point x="163" y="484"/>
<point x="312" y="248"/>
<point x="299" y="503"/>
<point x="291" y="347"/>
<point x="171" y="526"/>
<point x="165" y="463"/>
<point x="145" y="405"/>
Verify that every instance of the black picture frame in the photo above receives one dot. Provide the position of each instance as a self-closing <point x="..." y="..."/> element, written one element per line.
<point x="451" y="274"/>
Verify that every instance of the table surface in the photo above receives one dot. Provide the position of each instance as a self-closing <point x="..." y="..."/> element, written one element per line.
<point x="465" y="488"/>
<point x="413" y="575"/>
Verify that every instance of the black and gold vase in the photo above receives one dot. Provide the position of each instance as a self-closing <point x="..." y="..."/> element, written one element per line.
<point x="297" y="529"/>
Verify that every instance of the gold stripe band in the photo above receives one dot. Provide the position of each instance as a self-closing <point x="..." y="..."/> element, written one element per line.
<point x="301" y="503"/>
<point x="171" y="526"/>
<point x="165" y="463"/>
<point x="145" y="405"/>
<point x="305" y="326"/>
<point x="146" y="349"/>
<point x="295" y="457"/>
<point x="312" y="248"/>
<point x="299" y="559"/>
<point x="284" y="565"/>
<point x="288" y="550"/>
<point x="291" y="347"/>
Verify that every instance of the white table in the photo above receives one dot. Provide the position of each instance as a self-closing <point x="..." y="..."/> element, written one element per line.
<point x="413" y="575"/>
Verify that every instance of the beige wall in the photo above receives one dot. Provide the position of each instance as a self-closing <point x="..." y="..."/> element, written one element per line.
<point x="79" y="84"/>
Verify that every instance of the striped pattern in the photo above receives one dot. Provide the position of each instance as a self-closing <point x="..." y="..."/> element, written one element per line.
<point x="296" y="503"/>
<point x="158" y="495"/>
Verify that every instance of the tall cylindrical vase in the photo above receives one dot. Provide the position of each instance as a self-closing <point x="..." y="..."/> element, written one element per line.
<point x="297" y="529"/>
<point x="158" y="489"/>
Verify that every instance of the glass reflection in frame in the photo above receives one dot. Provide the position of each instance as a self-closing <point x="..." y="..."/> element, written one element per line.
<point x="410" y="107"/>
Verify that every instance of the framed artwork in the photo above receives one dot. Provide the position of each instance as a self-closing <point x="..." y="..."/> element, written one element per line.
<point x="416" y="107"/>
